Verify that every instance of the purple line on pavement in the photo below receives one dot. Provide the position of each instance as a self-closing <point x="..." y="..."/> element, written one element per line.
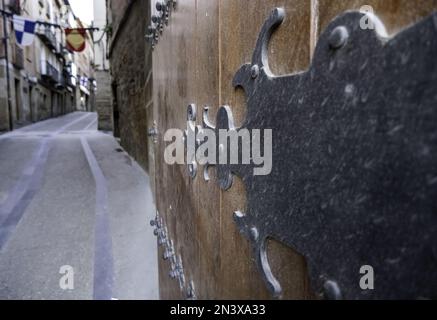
<point x="103" y="259"/>
<point x="12" y="210"/>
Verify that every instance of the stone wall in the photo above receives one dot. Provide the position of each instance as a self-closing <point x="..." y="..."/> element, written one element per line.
<point x="131" y="81"/>
<point x="104" y="100"/>
<point x="4" y="113"/>
<point x="117" y="9"/>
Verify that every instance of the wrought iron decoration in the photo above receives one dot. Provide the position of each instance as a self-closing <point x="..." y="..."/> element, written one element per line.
<point x="354" y="178"/>
<point x="176" y="266"/>
<point x="164" y="9"/>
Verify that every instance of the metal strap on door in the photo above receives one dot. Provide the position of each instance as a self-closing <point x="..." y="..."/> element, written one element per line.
<point x="354" y="177"/>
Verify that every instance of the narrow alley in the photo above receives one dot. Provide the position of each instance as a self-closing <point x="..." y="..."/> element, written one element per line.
<point x="72" y="201"/>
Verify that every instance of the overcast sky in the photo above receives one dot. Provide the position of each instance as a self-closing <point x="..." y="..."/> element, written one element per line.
<point x="83" y="9"/>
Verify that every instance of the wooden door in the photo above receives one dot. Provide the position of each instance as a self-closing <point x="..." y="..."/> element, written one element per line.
<point x="194" y="62"/>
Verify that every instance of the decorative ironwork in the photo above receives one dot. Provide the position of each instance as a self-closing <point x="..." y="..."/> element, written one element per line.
<point x="354" y="178"/>
<point x="160" y="19"/>
<point x="176" y="267"/>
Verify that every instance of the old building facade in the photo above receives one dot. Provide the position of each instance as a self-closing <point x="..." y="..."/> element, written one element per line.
<point x="45" y="79"/>
<point x="85" y="94"/>
<point x="103" y="96"/>
<point x="131" y="70"/>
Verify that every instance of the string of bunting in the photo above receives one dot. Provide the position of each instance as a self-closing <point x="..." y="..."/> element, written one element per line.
<point x="25" y="32"/>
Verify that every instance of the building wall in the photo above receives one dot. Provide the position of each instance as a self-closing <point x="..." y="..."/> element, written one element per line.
<point x="19" y="108"/>
<point x="101" y="64"/>
<point x="31" y="97"/>
<point x="100" y="49"/>
<point x="131" y="76"/>
<point x="117" y="10"/>
<point x="4" y="110"/>
<point x="85" y="62"/>
<point x="104" y="100"/>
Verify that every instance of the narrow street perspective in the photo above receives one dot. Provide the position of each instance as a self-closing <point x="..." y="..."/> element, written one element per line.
<point x="70" y="197"/>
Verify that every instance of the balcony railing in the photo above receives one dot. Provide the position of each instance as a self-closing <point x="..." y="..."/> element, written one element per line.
<point x="18" y="57"/>
<point x="68" y="79"/>
<point x="60" y="50"/>
<point x="61" y="84"/>
<point x="49" y="38"/>
<point x="70" y="73"/>
<point x="49" y="73"/>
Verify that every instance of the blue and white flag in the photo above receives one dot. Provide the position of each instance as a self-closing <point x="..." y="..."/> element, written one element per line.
<point x="24" y="30"/>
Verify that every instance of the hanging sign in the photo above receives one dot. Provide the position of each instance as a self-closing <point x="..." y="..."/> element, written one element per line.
<point x="76" y="39"/>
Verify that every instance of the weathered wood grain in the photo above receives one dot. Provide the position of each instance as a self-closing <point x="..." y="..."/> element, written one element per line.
<point x="194" y="62"/>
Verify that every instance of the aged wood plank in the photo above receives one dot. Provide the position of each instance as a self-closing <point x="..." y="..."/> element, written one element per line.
<point x="168" y="289"/>
<point x="174" y="66"/>
<point x="194" y="62"/>
<point x="208" y="193"/>
<point x="395" y="14"/>
<point x="289" y="51"/>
